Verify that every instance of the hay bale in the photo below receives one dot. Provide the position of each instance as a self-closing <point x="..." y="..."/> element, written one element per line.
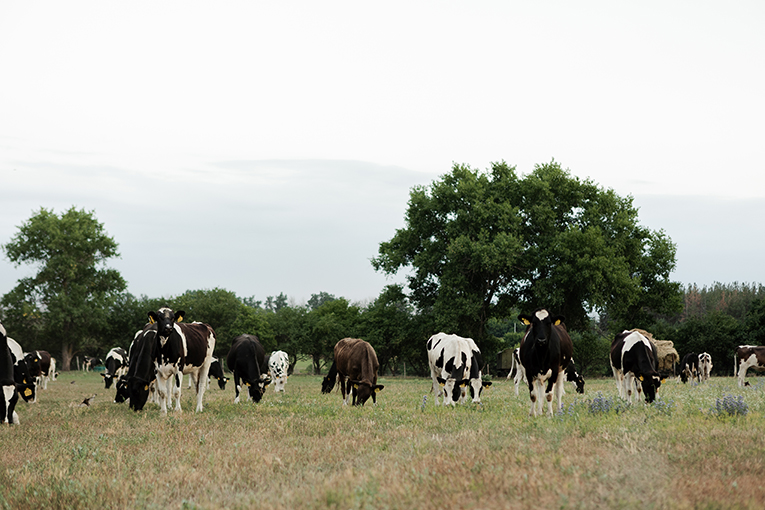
<point x="668" y="355"/>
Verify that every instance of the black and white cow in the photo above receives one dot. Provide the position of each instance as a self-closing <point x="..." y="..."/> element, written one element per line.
<point x="689" y="367"/>
<point x="450" y="359"/>
<point x="476" y="384"/>
<point x="633" y="357"/>
<point x="116" y="365"/>
<point x="278" y="365"/>
<point x="574" y="377"/>
<point x="182" y="349"/>
<point x="705" y="366"/>
<point x="90" y="363"/>
<point x="216" y="371"/>
<point x="246" y="359"/>
<point x="21" y="372"/>
<point x="546" y="351"/>
<point x="10" y="392"/>
<point x="141" y="369"/>
<point x="517" y="373"/>
<point x="746" y="357"/>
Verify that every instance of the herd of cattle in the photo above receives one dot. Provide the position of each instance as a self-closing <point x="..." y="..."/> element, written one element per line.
<point x="166" y="349"/>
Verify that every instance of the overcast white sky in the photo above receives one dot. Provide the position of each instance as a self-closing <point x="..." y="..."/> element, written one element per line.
<point x="268" y="147"/>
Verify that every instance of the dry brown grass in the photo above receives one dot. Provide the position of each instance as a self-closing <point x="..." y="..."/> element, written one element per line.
<point x="302" y="449"/>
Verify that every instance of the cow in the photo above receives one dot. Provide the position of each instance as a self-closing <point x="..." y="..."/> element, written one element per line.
<point x="516" y="370"/>
<point x="141" y="369"/>
<point x="633" y="357"/>
<point x="356" y="365"/>
<point x="746" y="357"/>
<point x="705" y="366"/>
<point x="573" y="376"/>
<point x="116" y="365"/>
<point x="90" y="363"/>
<point x="278" y="365"/>
<point x="246" y="359"/>
<point x="450" y="358"/>
<point x="182" y="349"/>
<point x="10" y="391"/>
<point x="21" y="372"/>
<point x="216" y="371"/>
<point x="546" y="351"/>
<point x="689" y="367"/>
<point x="47" y="366"/>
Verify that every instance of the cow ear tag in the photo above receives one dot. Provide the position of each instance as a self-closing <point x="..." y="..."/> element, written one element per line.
<point x="27" y="392"/>
<point x="356" y="386"/>
<point x="557" y="323"/>
<point x="662" y="381"/>
<point x="146" y="388"/>
<point x="151" y="319"/>
<point x="641" y="378"/>
<point x="441" y="384"/>
<point x="377" y="390"/>
<point x="526" y="322"/>
<point x="180" y="319"/>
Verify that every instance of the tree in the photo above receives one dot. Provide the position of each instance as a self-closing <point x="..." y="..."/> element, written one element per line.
<point x="68" y="298"/>
<point x="479" y="244"/>
<point x="326" y="325"/>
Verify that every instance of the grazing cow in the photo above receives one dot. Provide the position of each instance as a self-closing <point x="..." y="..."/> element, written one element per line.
<point x="21" y="372"/>
<point x="246" y="359"/>
<point x="516" y="370"/>
<point x="476" y="384"/>
<point x="355" y="364"/>
<point x="47" y="366"/>
<point x="90" y="363"/>
<point x="182" y="349"/>
<point x="7" y="382"/>
<point x="705" y="366"/>
<point x="546" y="351"/>
<point x="116" y="365"/>
<point x="278" y="365"/>
<point x="689" y="367"/>
<point x="746" y="357"/>
<point x="573" y="376"/>
<point x="632" y="357"/>
<point x="216" y="371"/>
<point x="450" y="358"/>
<point x="141" y="369"/>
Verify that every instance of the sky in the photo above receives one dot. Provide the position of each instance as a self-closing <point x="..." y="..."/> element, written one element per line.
<point x="269" y="147"/>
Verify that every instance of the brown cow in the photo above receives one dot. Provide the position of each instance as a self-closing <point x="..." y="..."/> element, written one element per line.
<point x="355" y="362"/>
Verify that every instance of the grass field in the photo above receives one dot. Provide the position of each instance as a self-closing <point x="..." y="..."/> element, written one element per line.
<point x="302" y="449"/>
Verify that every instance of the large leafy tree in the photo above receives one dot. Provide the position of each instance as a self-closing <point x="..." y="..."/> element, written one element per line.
<point x="66" y="302"/>
<point x="480" y="243"/>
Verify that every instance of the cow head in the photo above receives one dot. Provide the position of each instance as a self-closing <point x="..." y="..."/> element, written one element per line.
<point x="363" y="390"/>
<point x="476" y="388"/>
<point x="165" y="320"/>
<point x="33" y="364"/>
<point x="108" y="379"/>
<point x="257" y="389"/>
<point x="222" y="382"/>
<point x="453" y="387"/>
<point x="27" y="391"/>
<point x="650" y="384"/>
<point x="540" y="325"/>
<point x="138" y="391"/>
<point x="122" y="390"/>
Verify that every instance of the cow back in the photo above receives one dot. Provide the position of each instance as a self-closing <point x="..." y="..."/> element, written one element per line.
<point x="357" y="360"/>
<point x="198" y="342"/>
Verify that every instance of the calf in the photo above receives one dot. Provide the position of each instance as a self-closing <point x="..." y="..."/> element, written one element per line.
<point x="116" y="365"/>
<point x="746" y="357"/>
<point x="245" y="360"/>
<point x="450" y="359"/>
<point x="355" y="364"/>
<point x="182" y="349"/>
<point x="516" y="370"/>
<point x="278" y="365"/>
<point x="705" y="366"/>
<point x="633" y="357"/>
<point x="689" y="367"/>
<point x="546" y="351"/>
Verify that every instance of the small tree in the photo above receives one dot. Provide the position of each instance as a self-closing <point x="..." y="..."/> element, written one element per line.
<point x="66" y="301"/>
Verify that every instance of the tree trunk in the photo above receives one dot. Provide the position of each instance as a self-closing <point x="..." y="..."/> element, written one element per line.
<point x="67" y="354"/>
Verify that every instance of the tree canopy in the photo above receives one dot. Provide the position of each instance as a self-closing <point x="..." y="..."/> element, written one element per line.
<point x="69" y="296"/>
<point x="480" y="243"/>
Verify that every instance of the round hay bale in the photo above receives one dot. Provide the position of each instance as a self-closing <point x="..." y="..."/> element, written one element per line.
<point x="668" y="355"/>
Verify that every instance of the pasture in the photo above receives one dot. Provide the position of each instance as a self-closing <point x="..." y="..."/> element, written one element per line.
<point x="302" y="449"/>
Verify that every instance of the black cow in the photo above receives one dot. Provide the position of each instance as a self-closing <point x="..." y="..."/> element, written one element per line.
<point x="141" y="368"/>
<point x="633" y="358"/>
<point x="91" y="362"/>
<point x="246" y="359"/>
<point x="689" y="367"/>
<point x="116" y="365"/>
<point x="8" y="386"/>
<point x="182" y="349"/>
<point x="355" y="364"/>
<point x="573" y="376"/>
<point x="546" y="351"/>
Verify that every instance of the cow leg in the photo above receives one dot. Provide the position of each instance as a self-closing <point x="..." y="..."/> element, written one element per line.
<point x="341" y="378"/>
<point x="237" y="387"/>
<point x="176" y="383"/>
<point x="552" y="384"/>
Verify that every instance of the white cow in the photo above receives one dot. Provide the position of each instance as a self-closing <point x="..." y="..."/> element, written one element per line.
<point x="705" y="366"/>
<point x="451" y="360"/>
<point x="278" y="365"/>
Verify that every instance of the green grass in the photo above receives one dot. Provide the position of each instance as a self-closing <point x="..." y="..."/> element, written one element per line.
<point x="303" y="449"/>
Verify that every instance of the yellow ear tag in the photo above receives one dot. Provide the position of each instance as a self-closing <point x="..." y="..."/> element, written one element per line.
<point x="27" y="392"/>
<point x="463" y="385"/>
<point x="151" y="319"/>
<point x="246" y="384"/>
<point x="146" y="388"/>
<point x="180" y="319"/>
<point x="557" y="323"/>
<point x="356" y="386"/>
<point x="377" y="390"/>
<point x="662" y="381"/>
<point x="526" y="322"/>
<point x="641" y="378"/>
<point x="441" y="384"/>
